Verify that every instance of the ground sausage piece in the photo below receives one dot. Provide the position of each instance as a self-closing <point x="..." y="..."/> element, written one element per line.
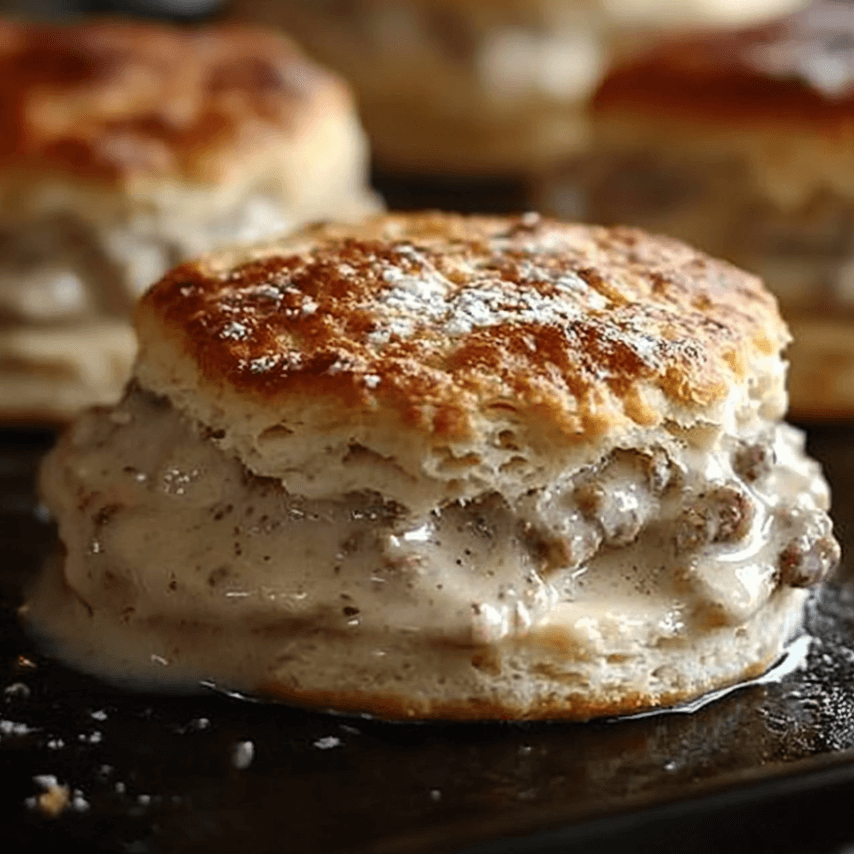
<point x="733" y="513"/>
<point x="721" y="515"/>
<point x="805" y="562"/>
<point x="753" y="461"/>
<point x="694" y="529"/>
<point x="660" y="472"/>
<point x="811" y="553"/>
<point x="570" y="551"/>
<point x="617" y="512"/>
<point x="619" y="499"/>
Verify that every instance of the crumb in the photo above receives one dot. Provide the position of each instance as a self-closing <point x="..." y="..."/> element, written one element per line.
<point x="54" y="800"/>
<point x="242" y="755"/>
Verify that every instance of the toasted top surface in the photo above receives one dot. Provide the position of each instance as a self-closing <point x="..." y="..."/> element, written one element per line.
<point x="117" y="100"/>
<point x="442" y="318"/>
<point x="796" y="70"/>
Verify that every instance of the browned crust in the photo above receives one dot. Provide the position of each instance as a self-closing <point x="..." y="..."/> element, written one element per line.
<point x="574" y="707"/>
<point x="624" y="311"/>
<point x="116" y="100"/>
<point x="768" y="74"/>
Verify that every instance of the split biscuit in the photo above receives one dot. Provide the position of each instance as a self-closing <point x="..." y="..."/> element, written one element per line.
<point x="127" y="147"/>
<point x="430" y="466"/>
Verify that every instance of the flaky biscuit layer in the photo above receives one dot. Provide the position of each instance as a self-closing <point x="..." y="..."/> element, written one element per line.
<point x="472" y="350"/>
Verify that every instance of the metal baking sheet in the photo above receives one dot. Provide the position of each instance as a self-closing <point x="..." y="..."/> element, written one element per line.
<point x="215" y="773"/>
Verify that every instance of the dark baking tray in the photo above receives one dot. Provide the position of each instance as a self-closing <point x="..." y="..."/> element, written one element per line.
<point x="765" y="767"/>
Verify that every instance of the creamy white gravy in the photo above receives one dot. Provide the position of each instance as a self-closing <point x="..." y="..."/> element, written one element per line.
<point x="180" y="565"/>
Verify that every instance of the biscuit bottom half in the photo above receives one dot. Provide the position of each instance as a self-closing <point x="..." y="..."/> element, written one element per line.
<point x="655" y="575"/>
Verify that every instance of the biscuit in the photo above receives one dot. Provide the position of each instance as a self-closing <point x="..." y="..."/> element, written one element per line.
<point x="737" y="142"/>
<point x="430" y="466"/>
<point x="126" y="147"/>
<point x="486" y="88"/>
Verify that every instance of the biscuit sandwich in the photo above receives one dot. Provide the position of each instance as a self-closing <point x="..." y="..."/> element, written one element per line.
<point x="479" y="87"/>
<point x="126" y="147"/>
<point x="739" y="143"/>
<point x="430" y="466"/>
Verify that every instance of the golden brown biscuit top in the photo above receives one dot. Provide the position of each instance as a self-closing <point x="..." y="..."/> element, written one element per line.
<point x="113" y="100"/>
<point x="438" y="316"/>
<point x="798" y="69"/>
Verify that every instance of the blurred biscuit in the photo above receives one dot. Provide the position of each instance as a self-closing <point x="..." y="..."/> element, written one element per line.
<point x="126" y="147"/>
<point x="473" y="87"/>
<point x="739" y="142"/>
